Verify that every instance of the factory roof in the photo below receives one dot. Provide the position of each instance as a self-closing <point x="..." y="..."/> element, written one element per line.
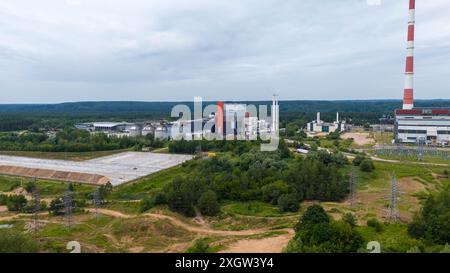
<point x="108" y="124"/>
<point x="424" y="111"/>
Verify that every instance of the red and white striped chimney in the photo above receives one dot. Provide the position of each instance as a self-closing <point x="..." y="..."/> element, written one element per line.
<point x="408" y="96"/>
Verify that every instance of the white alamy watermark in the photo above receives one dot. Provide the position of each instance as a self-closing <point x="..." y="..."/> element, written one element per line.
<point x="230" y="121"/>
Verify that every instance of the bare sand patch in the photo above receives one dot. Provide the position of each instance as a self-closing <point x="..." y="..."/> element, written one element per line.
<point x="274" y="244"/>
<point x="359" y="138"/>
<point x="410" y="185"/>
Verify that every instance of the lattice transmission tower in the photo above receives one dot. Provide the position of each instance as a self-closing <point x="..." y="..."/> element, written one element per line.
<point x="393" y="210"/>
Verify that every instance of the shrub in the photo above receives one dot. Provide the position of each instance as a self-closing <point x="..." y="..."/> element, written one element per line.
<point x="367" y="166"/>
<point x="56" y="207"/>
<point x="208" y="204"/>
<point x="288" y="203"/>
<point x="358" y="160"/>
<point x="350" y="219"/>
<point x="272" y="192"/>
<point x="433" y="221"/>
<point x="314" y="215"/>
<point x="200" y="246"/>
<point x="374" y="223"/>
<point x="146" y="204"/>
<point x="16" y="203"/>
<point x="16" y="242"/>
<point x="30" y="187"/>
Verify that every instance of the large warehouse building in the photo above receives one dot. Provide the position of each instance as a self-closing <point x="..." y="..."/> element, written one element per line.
<point x="422" y="125"/>
<point x="419" y="125"/>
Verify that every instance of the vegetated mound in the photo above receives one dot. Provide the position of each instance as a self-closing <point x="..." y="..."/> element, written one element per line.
<point x="55" y="175"/>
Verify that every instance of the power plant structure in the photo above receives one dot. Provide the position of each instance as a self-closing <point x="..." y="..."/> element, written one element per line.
<point x="430" y="126"/>
<point x="318" y="127"/>
<point x="234" y="121"/>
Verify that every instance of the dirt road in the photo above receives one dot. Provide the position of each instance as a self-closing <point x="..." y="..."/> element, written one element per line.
<point x="186" y="226"/>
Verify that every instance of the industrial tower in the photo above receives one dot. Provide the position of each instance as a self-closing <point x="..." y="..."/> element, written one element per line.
<point x="408" y="94"/>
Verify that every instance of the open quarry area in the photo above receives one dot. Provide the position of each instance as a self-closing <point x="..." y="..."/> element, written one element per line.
<point x="117" y="169"/>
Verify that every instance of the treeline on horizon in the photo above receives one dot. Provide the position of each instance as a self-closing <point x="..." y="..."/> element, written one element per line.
<point x="16" y="117"/>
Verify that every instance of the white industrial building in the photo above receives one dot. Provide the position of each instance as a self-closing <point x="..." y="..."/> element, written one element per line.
<point x="319" y="127"/>
<point x="422" y="125"/>
<point x="106" y="127"/>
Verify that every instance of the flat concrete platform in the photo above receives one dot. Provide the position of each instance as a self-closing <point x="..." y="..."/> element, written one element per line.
<point x="118" y="168"/>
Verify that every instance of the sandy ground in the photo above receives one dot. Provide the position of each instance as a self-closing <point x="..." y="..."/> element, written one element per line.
<point x="265" y="245"/>
<point x="359" y="138"/>
<point x="119" y="168"/>
<point x="179" y="223"/>
<point x="274" y="244"/>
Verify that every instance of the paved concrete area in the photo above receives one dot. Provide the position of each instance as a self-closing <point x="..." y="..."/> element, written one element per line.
<point x="119" y="168"/>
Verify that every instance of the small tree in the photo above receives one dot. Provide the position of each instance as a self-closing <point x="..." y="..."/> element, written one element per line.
<point x="358" y="160"/>
<point x="16" y="203"/>
<point x="314" y="215"/>
<point x="272" y="192"/>
<point x="105" y="190"/>
<point x="367" y="166"/>
<point x="374" y="223"/>
<point x="208" y="204"/>
<point x="56" y="207"/>
<point x="30" y="187"/>
<point x="350" y="219"/>
<point x="288" y="203"/>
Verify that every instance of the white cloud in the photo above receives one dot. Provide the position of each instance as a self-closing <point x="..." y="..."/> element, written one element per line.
<point x="229" y="49"/>
<point x="73" y="2"/>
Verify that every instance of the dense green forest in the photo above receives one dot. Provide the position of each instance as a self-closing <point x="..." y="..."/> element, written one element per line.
<point x="245" y="174"/>
<point x="72" y="140"/>
<point x="16" y="117"/>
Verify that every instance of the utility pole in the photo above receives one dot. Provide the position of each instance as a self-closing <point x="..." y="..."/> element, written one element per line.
<point x="353" y="187"/>
<point x="68" y="208"/>
<point x="36" y="201"/>
<point x="97" y="201"/>
<point x="393" y="211"/>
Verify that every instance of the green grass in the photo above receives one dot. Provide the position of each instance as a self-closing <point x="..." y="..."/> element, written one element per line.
<point x="76" y="156"/>
<point x="426" y="158"/>
<point x="410" y="170"/>
<point x="126" y="207"/>
<point x="8" y="183"/>
<point x="146" y="186"/>
<point x="258" y="209"/>
<point x="393" y="237"/>
<point x="47" y="188"/>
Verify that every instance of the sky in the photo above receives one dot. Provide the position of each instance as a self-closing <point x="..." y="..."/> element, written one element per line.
<point x="172" y="50"/>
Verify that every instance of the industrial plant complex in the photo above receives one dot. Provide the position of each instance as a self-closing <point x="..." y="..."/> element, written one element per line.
<point x="419" y="125"/>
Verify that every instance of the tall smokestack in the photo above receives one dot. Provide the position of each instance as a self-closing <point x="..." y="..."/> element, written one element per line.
<point x="219" y="114"/>
<point x="408" y="95"/>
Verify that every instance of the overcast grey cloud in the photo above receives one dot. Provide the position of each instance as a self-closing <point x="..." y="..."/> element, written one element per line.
<point x="75" y="50"/>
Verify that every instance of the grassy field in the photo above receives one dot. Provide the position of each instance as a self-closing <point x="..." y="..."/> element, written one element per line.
<point x="47" y="188"/>
<point x="393" y="237"/>
<point x="256" y="209"/>
<point x="63" y="155"/>
<point x="147" y="185"/>
<point x="425" y="159"/>
<point x="383" y="138"/>
<point x="143" y="234"/>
